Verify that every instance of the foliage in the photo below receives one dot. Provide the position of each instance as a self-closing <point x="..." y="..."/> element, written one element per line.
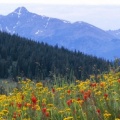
<point x="26" y="58"/>
<point x="87" y="100"/>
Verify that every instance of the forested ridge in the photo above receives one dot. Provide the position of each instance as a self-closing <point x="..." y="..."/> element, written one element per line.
<point x="22" y="57"/>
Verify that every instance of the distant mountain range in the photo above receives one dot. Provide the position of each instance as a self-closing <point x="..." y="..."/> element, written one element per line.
<point x="78" y="35"/>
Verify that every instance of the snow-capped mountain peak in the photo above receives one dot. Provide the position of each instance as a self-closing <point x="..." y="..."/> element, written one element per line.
<point x="20" y="10"/>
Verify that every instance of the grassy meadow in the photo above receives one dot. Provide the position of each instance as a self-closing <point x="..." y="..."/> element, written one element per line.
<point x="80" y="100"/>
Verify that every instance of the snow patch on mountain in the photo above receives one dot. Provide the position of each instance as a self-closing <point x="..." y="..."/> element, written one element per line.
<point x="65" y="21"/>
<point x="13" y="32"/>
<point x="7" y="29"/>
<point x="14" y="27"/>
<point x="18" y="12"/>
<point x="38" y="32"/>
<point x="43" y="16"/>
<point x="47" y="23"/>
<point x="17" y="22"/>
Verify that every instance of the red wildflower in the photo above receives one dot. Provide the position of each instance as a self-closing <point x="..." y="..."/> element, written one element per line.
<point x="44" y="110"/>
<point x="34" y="100"/>
<point x="85" y="96"/>
<point x="14" y="115"/>
<point x="93" y="84"/>
<point x="119" y="80"/>
<point x="19" y="114"/>
<point x="69" y="102"/>
<point x="25" y="104"/>
<point x="88" y="93"/>
<point x="105" y="95"/>
<point x="19" y="105"/>
<point x="82" y="91"/>
<point x="22" y="97"/>
<point x="47" y="114"/>
<point x="68" y="91"/>
<point x="98" y="111"/>
<point x="78" y="99"/>
<point x="53" y="90"/>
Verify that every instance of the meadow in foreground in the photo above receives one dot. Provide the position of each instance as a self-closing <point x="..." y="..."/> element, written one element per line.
<point x="86" y="100"/>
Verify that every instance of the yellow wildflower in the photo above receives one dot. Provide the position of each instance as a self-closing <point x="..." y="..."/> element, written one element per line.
<point x="69" y="118"/>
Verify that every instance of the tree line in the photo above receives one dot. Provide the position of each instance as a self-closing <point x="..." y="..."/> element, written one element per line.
<point x="27" y="58"/>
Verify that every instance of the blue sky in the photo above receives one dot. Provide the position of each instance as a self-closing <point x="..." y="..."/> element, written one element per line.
<point x="104" y="14"/>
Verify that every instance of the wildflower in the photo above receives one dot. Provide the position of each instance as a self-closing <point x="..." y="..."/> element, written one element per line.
<point x="5" y="111"/>
<point x="25" y="104"/>
<point x="11" y="104"/>
<point x="67" y="110"/>
<point x="98" y="93"/>
<point x="68" y="91"/>
<point x="37" y="107"/>
<point x="44" y="101"/>
<point x="22" y="97"/>
<point x="39" y="85"/>
<point x="85" y="97"/>
<point x="117" y="118"/>
<point x="78" y="99"/>
<point x="34" y="100"/>
<point x="69" y="102"/>
<point x="98" y="111"/>
<point x="19" y="105"/>
<point x="53" y="90"/>
<point x="69" y="118"/>
<point x="105" y="95"/>
<point x="44" y="110"/>
<point x="61" y="111"/>
<point x="14" y="115"/>
<point x="93" y="84"/>
<point x="47" y="114"/>
<point x="50" y="105"/>
<point x="107" y="115"/>
<point x="34" y="107"/>
<point x="102" y="84"/>
<point x="80" y="102"/>
<point x="43" y="104"/>
<point x="29" y="105"/>
<point x="82" y="91"/>
<point x="119" y="80"/>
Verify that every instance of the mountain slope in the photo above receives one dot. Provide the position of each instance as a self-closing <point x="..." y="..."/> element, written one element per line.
<point x="115" y="33"/>
<point x="79" y="35"/>
<point x="22" y="57"/>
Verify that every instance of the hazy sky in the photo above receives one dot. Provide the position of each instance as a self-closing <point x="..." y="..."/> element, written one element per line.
<point x="104" y="14"/>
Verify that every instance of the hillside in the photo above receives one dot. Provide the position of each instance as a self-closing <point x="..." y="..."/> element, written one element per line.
<point x="22" y="57"/>
<point x="79" y="36"/>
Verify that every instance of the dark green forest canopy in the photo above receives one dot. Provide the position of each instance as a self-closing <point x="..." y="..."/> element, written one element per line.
<point x="22" y="57"/>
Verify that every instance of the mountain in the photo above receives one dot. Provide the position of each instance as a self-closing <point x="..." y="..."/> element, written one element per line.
<point x="78" y="35"/>
<point x="115" y="33"/>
